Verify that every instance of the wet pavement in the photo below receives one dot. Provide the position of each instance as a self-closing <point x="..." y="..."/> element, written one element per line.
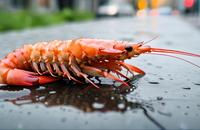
<point x="167" y="97"/>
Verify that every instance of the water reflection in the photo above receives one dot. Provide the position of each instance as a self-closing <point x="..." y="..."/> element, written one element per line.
<point x="86" y="98"/>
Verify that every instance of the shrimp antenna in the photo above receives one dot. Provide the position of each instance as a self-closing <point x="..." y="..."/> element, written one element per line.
<point x="175" y="57"/>
<point x="150" y="40"/>
<point x="174" y="52"/>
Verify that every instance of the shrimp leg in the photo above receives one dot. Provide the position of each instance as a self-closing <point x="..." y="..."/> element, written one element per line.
<point x="132" y="68"/>
<point x="98" y="72"/>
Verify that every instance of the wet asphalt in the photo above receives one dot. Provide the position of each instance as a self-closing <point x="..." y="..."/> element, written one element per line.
<point x="167" y="97"/>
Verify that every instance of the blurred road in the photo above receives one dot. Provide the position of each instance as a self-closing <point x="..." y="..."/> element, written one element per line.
<point x="167" y="97"/>
<point x="194" y="20"/>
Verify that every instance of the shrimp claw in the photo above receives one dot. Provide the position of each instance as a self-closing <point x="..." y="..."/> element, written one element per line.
<point x="27" y="78"/>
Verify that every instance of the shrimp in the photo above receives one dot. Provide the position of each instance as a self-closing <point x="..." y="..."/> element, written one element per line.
<point x="46" y="62"/>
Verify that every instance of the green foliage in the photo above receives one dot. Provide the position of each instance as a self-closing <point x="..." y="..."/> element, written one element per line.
<point x="28" y="19"/>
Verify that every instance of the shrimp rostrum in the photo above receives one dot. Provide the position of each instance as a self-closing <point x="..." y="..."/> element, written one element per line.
<point x="46" y="62"/>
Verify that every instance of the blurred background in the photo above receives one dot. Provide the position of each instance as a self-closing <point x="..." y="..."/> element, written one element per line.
<point x="19" y="14"/>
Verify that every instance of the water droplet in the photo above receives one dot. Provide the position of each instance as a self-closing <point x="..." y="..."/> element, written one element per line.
<point x="121" y="106"/>
<point x="161" y="78"/>
<point x="41" y="88"/>
<point x="187" y="88"/>
<point x="46" y="103"/>
<point x="169" y="42"/>
<point x="131" y="89"/>
<point x="169" y="75"/>
<point x="2" y="106"/>
<point x="79" y="96"/>
<point x="165" y="113"/>
<point x="121" y="97"/>
<point x="28" y="113"/>
<point x="134" y="111"/>
<point x="166" y="91"/>
<point x="159" y="67"/>
<point x="188" y="107"/>
<point x="96" y="98"/>
<point x="63" y="119"/>
<point x="159" y="98"/>
<point x="36" y="106"/>
<point x="186" y="113"/>
<point x="63" y="109"/>
<point x="112" y="98"/>
<point x="52" y="92"/>
<point x="198" y="105"/>
<point x="41" y="98"/>
<point x="86" y="122"/>
<point x="178" y="106"/>
<point x="128" y="108"/>
<point x="10" y="110"/>
<point x="98" y="105"/>
<point x="127" y="90"/>
<point x="196" y="83"/>
<point x="163" y="103"/>
<point x="152" y="82"/>
<point x="149" y="63"/>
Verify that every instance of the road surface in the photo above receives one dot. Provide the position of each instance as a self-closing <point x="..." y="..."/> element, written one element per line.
<point x="167" y="97"/>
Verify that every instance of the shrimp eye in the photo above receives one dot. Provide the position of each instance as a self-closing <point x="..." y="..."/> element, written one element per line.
<point x="128" y="48"/>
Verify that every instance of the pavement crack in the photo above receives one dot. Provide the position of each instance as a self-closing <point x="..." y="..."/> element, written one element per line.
<point x="154" y="121"/>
